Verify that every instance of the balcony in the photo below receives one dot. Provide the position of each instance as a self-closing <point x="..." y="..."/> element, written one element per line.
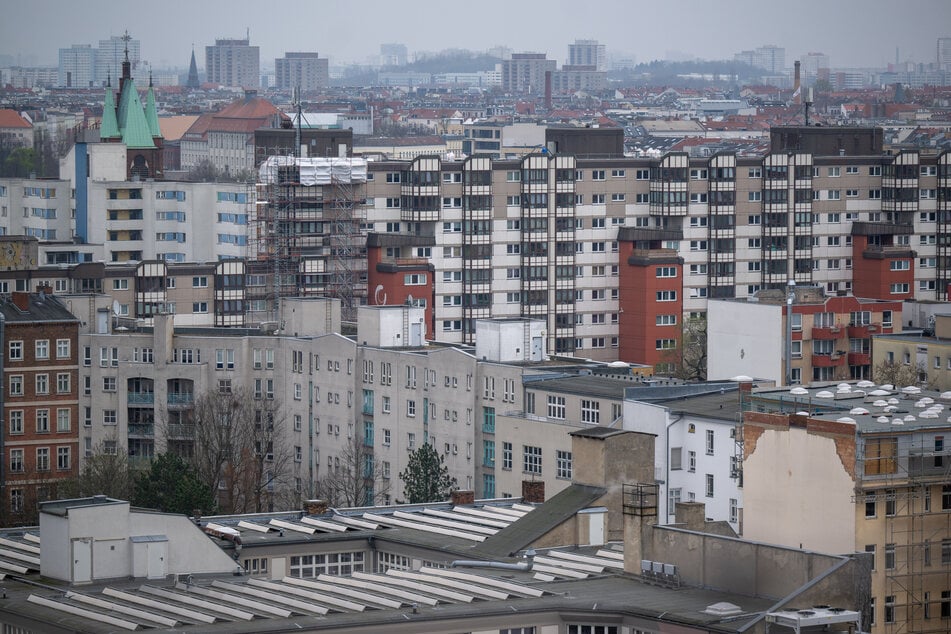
<point x="142" y="430"/>
<point x="141" y="398"/>
<point x="829" y="360"/>
<point x="181" y="398"/>
<point x="820" y="333"/>
<point x="860" y="358"/>
<point x="864" y="331"/>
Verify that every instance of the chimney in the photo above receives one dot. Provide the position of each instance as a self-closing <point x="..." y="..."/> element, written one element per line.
<point x="459" y="497"/>
<point x="691" y="514"/>
<point x="796" y="84"/>
<point x="548" y="90"/>
<point x="640" y="514"/>
<point x="315" y="507"/>
<point x="533" y="491"/>
<point x="21" y="300"/>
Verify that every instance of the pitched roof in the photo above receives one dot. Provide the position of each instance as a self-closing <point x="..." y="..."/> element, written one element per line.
<point x="530" y="527"/>
<point x="151" y="116"/>
<point x="109" y="128"/>
<point x="12" y="119"/>
<point x="132" y="120"/>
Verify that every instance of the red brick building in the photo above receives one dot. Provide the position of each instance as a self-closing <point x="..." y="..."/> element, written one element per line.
<point x="650" y="297"/>
<point x="397" y="275"/>
<point x="39" y="437"/>
<point x="882" y="268"/>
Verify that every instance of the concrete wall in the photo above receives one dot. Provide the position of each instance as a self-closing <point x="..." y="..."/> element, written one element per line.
<point x="311" y="316"/>
<point x="55" y="555"/>
<point x="626" y="458"/>
<point x="799" y="482"/>
<point x="745" y="338"/>
<point x="735" y="565"/>
<point x="383" y="326"/>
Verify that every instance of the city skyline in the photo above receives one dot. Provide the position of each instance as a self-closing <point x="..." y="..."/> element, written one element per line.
<point x="648" y="32"/>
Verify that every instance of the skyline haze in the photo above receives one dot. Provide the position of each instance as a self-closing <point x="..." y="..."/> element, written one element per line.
<point x="851" y="33"/>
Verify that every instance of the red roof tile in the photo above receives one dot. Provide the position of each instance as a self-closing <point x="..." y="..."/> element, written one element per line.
<point x="12" y="119"/>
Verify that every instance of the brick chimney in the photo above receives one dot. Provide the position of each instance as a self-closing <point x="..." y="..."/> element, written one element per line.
<point x="533" y="491"/>
<point x="458" y="498"/>
<point x="21" y="300"/>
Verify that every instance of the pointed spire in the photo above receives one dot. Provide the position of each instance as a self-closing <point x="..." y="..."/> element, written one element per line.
<point x="151" y="116"/>
<point x="109" y="127"/>
<point x="192" y="72"/>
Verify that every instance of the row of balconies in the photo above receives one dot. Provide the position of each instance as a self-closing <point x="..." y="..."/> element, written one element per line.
<point x="838" y="332"/>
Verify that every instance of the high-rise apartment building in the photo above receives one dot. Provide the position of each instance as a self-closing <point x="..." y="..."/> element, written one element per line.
<point x="110" y="55"/>
<point x="944" y="53"/>
<point x="306" y="71"/>
<point x="393" y="54"/>
<point x="77" y="66"/>
<point x="232" y="62"/>
<point x="525" y="72"/>
<point x="770" y="58"/>
<point x="587" y="53"/>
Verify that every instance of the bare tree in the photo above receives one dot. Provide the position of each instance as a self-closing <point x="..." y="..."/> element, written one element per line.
<point x="237" y="447"/>
<point x="106" y="472"/>
<point x="688" y="360"/>
<point x="354" y="477"/>
<point x="903" y="374"/>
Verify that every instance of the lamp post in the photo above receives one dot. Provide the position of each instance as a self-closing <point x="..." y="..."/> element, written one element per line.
<point x="790" y="298"/>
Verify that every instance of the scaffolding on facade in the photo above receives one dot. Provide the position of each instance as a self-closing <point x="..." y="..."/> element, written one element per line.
<point x="306" y="234"/>
<point x="915" y="498"/>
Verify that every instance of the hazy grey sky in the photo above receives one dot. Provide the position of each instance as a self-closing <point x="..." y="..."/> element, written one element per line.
<point x="851" y="32"/>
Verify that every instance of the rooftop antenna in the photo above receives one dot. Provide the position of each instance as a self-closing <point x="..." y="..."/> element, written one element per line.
<point x="297" y="132"/>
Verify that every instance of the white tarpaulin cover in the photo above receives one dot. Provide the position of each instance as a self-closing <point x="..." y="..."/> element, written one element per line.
<point x="316" y="170"/>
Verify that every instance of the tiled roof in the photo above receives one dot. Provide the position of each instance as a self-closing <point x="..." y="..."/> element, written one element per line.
<point x="12" y="119"/>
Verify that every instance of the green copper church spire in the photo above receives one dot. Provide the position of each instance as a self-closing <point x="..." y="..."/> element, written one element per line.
<point x="150" y="114"/>
<point x="109" y="128"/>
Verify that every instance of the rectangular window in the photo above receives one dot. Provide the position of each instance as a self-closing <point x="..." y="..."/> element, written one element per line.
<point x="556" y="407"/>
<point x="709" y="435"/>
<point x="42" y="458"/>
<point x="531" y="459"/>
<point x="889" y="556"/>
<point x="563" y="464"/>
<point x="709" y="487"/>
<point x="507" y="455"/>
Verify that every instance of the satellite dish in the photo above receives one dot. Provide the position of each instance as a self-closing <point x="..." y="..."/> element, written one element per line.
<point x="377" y="295"/>
<point x="115" y="308"/>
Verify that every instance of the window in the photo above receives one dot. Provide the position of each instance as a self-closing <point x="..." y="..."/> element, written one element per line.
<point x="946" y="551"/>
<point x="16" y="350"/>
<point x="709" y="442"/>
<point x="62" y="348"/>
<point x="200" y="281"/>
<point x="63" y="420"/>
<point x="531" y="459"/>
<point x="42" y="348"/>
<point x="666" y="271"/>
<point x="666" y="296"/>
<point x="62" y="458"/>
<point x="556" y="407"/>
<point x="16" y="421"/>
<point x="590" y="411"/>
<point x="43" y="459"/>
<point x="507" y="455"/>
<point x="692" y="461"/>
<point x="597" y="175"/>
<point x="890" y="608"/>
<point x="563" y="464"/>
<point x="42" y="384"/>
<point x="488" y="453"/>
<point x="889" y="556"/>
<point x="16" y="385"/>
<point x="709" y="487"/>
<point x="734" y="511"/>
<point x="411" y="408"/>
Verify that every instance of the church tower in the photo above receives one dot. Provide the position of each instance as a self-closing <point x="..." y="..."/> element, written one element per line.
<point x="192" y="82"/>
<point x="128" y="122"/>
